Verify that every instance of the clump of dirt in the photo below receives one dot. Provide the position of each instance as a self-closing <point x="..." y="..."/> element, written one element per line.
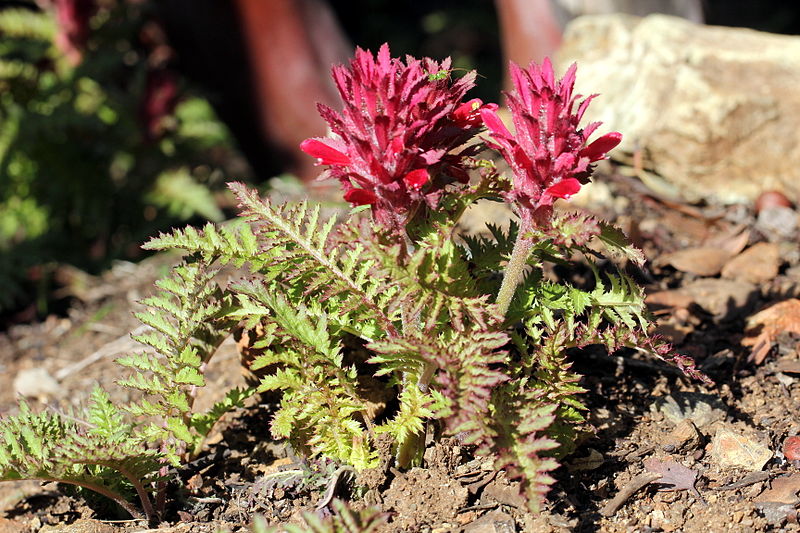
<point x="423" y="497"/>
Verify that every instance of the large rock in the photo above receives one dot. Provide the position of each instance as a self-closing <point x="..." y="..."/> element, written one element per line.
<point x="715" y="111"/>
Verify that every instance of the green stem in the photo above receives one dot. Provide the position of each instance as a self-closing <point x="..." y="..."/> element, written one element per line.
<point x="515" y="269"/>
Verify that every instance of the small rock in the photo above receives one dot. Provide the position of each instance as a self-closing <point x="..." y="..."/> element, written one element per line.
<point x="493" y="522"/>
<point x="36" y="383"/>
<point x="784" y="489"/>
<point x="504" y="492"/>
<point x="757" y="264"/>
<point x="730" y="449"/>
<point x="777" y="223"/>
<point x="775" y="513"/>
<point x="684" y="437"/>
<point x="768" y="199"/>
<point x="702" y="409"/>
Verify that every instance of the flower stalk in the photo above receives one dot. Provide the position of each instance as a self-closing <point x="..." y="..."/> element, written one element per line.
<point x="515" y="269"/>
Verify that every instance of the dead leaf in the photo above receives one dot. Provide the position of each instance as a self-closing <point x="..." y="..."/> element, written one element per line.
<point x="674" y="475"/>
<point x="733" y="241"/>
<point x="695" y="227"/>
<point x="734" y="450"/>
<point x="194" y="483"/>
<point x="757" y="264"/>
<point x="703" y="261"/>
<point x="784" y="489"/>
<point x="592" y="461"/>
<point x="764" y="326"/>
<point x="673" y="298"/>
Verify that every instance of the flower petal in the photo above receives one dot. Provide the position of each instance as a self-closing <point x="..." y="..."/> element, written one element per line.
<point x="415" y="179"/>
<point x="325" y="154"/>
<point x="601" y="146"/>
<point x="493" y="122"/>
<point x="360" y="197"/>
<point x="467" y="115"/>
<point x="564" y="188"/>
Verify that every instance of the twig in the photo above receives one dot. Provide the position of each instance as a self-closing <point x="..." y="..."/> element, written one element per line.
<point x="115" y="347"/>
<point x="750" y="479"/>
<point x="627" y="491"/>
<point x="479" y="507"/>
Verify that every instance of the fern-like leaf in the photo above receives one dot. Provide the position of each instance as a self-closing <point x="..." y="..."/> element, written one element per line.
<point x="232" y="243"/>
<point x="304" y="261"/>
<point x="49" y="446"/>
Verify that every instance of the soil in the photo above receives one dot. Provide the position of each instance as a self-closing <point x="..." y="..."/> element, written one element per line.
<point x="718" y="447"/>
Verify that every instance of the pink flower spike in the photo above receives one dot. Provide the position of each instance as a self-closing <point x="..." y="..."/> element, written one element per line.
<point x="548" y="153"/>
<point x="417" y="178"/>
<point x="325" y="154"/>
<point x="601" y="146"/>
<point x="396" y="119"/>
<point x="564" y="188"/>
<point x="360" y="197"/>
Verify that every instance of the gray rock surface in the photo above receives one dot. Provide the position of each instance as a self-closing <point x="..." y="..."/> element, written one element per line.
<point x="715" y="111"/>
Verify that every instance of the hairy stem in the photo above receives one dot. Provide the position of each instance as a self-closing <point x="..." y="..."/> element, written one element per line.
<point x="515" y="269"/>
<point x="122" y="502"/>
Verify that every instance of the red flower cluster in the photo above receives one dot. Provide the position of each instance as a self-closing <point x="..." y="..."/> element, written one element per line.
<point x="73" y="17"/>
<point x="159" y="101"/>
<point x="548" y="154"/>
<point x="391" y="140"/>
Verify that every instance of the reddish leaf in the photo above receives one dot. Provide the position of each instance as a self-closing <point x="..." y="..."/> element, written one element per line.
<point x="674" y="476"/>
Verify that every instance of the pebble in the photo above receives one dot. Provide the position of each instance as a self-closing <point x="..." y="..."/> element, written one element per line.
<point x="493" y="522"/>
<point x="684" y="437"/>
<point x="702" y="409"/>
<point x="770" y="199"/>
<point x="36" y="383"/>
<point x="777" y="223"/>
<point x="791" y="448"/>
<point x="731" y="449"/>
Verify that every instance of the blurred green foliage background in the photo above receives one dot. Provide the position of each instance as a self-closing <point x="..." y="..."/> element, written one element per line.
<point x="84" y="177"/>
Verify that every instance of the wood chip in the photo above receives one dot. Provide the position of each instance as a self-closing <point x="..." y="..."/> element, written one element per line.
<point x="764" y="327"/>
<point x="750" y="479"/>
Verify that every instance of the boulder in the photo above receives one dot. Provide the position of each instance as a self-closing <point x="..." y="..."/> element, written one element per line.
<point x="713" y="111"/>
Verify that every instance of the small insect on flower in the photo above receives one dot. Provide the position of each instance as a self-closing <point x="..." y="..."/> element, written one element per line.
<point x="441" y="75"/>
